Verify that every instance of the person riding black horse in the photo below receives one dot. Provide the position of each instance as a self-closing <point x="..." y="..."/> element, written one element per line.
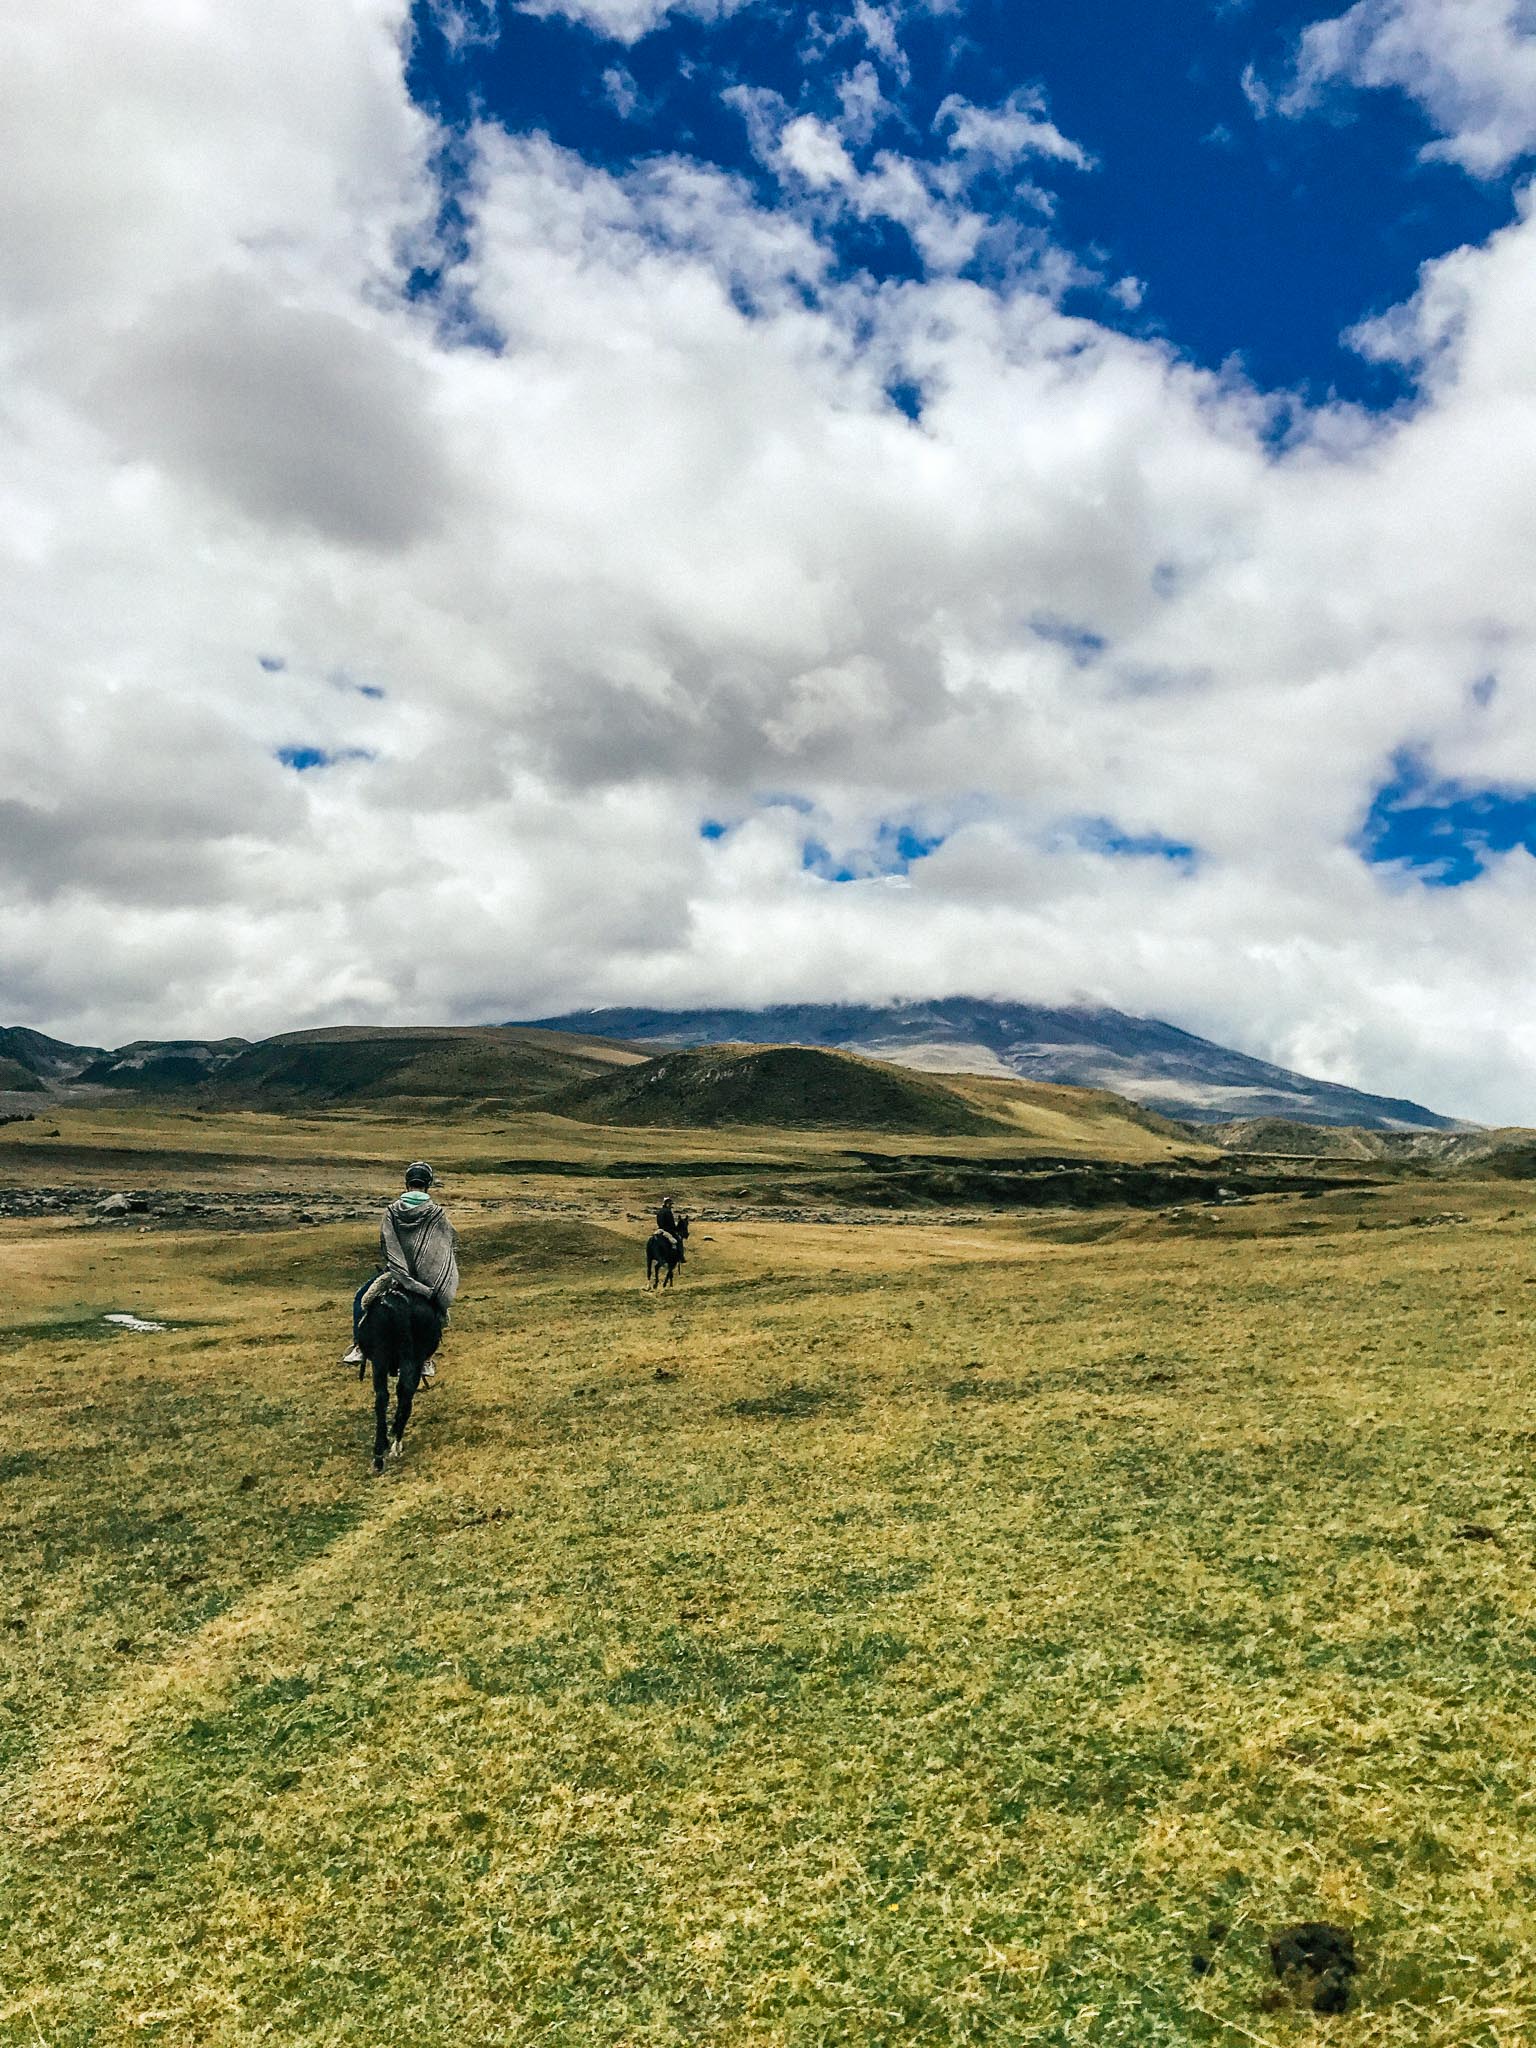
<point x="417" y="1255"/>
<point x="666" y="1219"/>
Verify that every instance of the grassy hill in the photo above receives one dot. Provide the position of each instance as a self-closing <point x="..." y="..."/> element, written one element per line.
<point x="790" y="1087"/>
<point x="14" y="1076"/>
<point x="1508" y="1153"/>
<point x="469" y="1064"/>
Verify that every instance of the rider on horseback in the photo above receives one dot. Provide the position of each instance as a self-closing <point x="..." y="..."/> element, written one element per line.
<point x="417" y="1246"/>
<point x="666" y="1219"/>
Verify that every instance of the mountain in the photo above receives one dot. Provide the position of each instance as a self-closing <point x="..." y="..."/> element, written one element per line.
<point x="1154" y="1064"/>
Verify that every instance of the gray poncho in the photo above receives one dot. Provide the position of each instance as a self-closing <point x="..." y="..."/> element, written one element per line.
<point x="417" y="1245"/>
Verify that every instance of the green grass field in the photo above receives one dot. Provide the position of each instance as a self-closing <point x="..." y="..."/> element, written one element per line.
<point x="899" y="1633"/>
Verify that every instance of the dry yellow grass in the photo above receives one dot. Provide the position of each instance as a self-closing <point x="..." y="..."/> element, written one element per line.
<point x="900" y="1633"/>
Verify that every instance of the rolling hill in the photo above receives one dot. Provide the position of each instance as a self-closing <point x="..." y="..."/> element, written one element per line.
<point x="442" y="1063"/>
<point x="787" y="1087"/>
<point x="300" y="1069"/>
<point x="1155" y="1064"/>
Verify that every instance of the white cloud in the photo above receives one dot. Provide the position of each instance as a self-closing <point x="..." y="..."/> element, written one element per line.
<point x="1469" y="64"/>
<point x="671" y="552"/>
<point x="621" y="91"/>
<point x="931" y="201"/>
<point x="1006" y="134"/>
<point x="880" y="28"/>
<point x="864" y="105"/>
<point x="814" y="151"/>
<point x="626" y="21"/>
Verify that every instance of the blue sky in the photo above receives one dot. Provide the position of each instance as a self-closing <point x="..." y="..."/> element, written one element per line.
<point x="1258" y="240"/>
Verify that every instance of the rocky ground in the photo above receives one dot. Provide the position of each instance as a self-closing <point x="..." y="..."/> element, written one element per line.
<point x="147" y="1207"/>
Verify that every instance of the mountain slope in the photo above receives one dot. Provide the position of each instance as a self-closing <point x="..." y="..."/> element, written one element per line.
<point x="300" y="1068"/>
<point x="442" y="1063"/>
<point x="154" y="1066"/>
<point x="46" y="1059"/>
<point x="787" y="1087"/>
<point x="1154" y="1064"/>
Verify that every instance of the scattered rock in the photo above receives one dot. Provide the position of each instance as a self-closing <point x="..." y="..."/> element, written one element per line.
<point x="1317" y="1955"/>
<point x="661" y="1373"/>
<point x="113" y="1205"/>
<point x="123" y="1646"/>
<point x="1201" y="1964"/>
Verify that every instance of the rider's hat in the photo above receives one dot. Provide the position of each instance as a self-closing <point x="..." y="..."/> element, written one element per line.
<point x="419" y="1175"/>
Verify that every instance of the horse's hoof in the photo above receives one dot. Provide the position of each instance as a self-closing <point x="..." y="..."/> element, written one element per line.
<point x="397" y="1449"/>
<point x="378" y="1467"/>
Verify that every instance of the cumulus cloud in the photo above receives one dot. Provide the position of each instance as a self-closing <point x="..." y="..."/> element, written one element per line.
<point x="295" y="414"/>
<point x="1470" y="65"/>
<point x="713" y="530"/>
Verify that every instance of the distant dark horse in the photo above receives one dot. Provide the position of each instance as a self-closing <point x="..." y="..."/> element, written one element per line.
<point x="664" y="1254"/>
<point x="397" y="1335"/>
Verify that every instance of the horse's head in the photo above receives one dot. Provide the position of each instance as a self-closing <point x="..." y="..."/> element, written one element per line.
<point x="682" y="1226"/>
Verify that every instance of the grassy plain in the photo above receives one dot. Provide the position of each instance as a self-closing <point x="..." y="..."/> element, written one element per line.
<point x="900" y="1633"/>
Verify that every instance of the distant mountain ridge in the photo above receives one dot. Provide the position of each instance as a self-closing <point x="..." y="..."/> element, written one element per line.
<point x="1152" y="1063"/>
<point x="297" y="1069"/>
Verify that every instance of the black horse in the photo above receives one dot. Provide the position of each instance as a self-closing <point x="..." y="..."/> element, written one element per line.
<point x="398" y="1334"/>
<point x="664" y="1253"/>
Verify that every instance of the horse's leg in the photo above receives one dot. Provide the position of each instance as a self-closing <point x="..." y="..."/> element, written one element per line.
<point x="405" y="1395"/>
<point x="380" y="1414"/>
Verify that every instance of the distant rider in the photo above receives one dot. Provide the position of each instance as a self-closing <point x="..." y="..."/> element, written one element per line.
<point x="417" y="1245"/>
<point x="666" y="1219"/>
